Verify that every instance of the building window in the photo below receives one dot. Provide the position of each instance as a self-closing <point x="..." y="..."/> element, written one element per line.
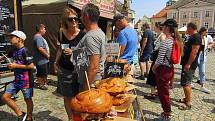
<point x="206" y="25"/>
<point x="184" y="24"/>
<point x="207" y="14"/>
<point x="174" y="15"/>
<point x="196" y="14"/>
<point x="184" y="16"/>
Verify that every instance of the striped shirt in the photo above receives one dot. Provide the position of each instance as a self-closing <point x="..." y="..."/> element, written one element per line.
<point x="165" y="51"/>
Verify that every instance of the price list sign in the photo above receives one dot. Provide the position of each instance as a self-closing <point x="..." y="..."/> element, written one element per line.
<point x="10" y="14"/>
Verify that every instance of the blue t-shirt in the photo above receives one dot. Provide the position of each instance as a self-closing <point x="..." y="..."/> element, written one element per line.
<point x="128" y="37"/>
<point x="39" y="58"/>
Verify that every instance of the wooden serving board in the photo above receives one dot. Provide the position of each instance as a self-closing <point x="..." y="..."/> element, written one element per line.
<point x="121" y="119"/>
<point x="123" y="107"/>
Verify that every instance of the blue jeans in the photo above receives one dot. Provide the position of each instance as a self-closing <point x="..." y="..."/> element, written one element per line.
<point x="201" y="66"/>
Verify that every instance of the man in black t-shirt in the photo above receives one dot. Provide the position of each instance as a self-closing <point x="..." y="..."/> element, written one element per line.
<point x="189" y="63"/>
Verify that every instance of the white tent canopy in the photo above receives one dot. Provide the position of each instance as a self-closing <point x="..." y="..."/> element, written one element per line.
<point x="183" y="29"/>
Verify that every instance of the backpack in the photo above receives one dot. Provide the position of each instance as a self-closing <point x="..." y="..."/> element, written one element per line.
<point x="176" y="53"/>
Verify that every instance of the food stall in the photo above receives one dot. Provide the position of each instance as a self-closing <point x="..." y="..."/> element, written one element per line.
<point x="112" y="98"/>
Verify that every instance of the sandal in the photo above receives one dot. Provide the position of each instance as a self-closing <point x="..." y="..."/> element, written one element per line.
<point x="185" y="107"/>
<point x="181" y="101"/>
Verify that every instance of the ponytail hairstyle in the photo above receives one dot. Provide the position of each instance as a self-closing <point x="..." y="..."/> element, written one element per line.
<point x="173" y="29"/>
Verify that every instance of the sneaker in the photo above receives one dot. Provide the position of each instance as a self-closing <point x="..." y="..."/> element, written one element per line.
<point x="145" y="75"/>
<point x="193" y="86"/>
<point x="198" y="82"/>
<point x="29" y="119"/>
<point x="43" y="87"/>
<point x="141" y="77"/>
<point x="205" y="90"/>
<point x="23" y="117"/>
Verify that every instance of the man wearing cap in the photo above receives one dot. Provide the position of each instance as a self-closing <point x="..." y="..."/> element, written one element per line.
<point x="127" y="38"/>
<point x="23" y="70"/>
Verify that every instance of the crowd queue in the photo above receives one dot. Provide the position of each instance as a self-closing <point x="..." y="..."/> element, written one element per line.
<point x="92" y="40"/>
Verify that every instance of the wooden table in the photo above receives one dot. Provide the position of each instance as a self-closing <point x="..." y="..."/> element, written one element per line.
<point x="134" y="111"/>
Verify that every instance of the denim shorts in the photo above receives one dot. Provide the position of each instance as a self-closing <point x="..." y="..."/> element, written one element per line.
<point x="27" y="92"/>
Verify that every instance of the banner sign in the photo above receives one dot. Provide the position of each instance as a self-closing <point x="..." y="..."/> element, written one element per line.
<point x="106" y="6"/>
<point x="10" y="19"/>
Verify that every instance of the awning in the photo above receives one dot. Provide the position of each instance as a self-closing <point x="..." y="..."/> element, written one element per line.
<point x="183" y="29"/>
<point x="106" y="10"/>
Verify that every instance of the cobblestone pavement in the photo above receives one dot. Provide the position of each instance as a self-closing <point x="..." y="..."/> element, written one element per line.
<point x="203" y="105"/>
<point x="48" y="106"/>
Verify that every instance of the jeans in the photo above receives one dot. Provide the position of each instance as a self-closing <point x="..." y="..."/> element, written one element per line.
<point x="201" y="66"/>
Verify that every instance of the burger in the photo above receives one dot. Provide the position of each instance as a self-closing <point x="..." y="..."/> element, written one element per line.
<point x="92" y="101"/>
<point x="113" y="86"/>
<point x="119" y="100"/>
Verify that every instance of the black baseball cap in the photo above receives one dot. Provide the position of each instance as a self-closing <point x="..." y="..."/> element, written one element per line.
<point x="117" y="17"/>
<point x="170" y="23"/>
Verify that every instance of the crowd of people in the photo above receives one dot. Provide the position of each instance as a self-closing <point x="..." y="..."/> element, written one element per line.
<point x="89" y="46"/>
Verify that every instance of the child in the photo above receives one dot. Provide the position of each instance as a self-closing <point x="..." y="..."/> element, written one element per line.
<point x="22" y="67"/>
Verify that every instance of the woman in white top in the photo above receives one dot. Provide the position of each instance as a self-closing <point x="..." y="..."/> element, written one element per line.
<point x="206" y="42"/>
<point x="151" y="77"/>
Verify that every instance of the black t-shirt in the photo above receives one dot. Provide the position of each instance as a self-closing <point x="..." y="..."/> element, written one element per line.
<point x="193" y="40"/>
<point x="64" y="60"/>
<point x="150" y="39"/>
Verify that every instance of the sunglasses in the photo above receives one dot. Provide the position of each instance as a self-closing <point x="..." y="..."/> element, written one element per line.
<point x="72" y="19"/>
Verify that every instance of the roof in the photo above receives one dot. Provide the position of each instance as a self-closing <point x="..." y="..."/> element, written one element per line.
<point x="30" y="2"/>
<point x="45" y="8"/>
<point x="180" y="3"/>
<point x="162" y="13"/>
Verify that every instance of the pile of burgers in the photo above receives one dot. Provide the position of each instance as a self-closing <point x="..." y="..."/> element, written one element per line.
<point x="96" y="103"/>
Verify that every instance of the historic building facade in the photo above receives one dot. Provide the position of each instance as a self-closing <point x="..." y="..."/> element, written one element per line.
<point x="201" y="12"/>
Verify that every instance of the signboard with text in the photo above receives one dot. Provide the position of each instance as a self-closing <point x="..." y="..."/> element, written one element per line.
<point x="106" y="6"/>
<point x="10" y="14"/>
<point x="112" y="49"/>
<point x="113" y="69"/>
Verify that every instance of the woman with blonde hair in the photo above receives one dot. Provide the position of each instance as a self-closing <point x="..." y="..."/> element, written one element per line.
<point x="69" y="36"/>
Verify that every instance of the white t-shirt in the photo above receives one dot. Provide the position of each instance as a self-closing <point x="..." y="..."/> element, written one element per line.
<point x="206" y="41"/>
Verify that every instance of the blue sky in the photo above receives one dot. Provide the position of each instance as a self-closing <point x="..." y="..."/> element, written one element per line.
<point x="147" y="7"/>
